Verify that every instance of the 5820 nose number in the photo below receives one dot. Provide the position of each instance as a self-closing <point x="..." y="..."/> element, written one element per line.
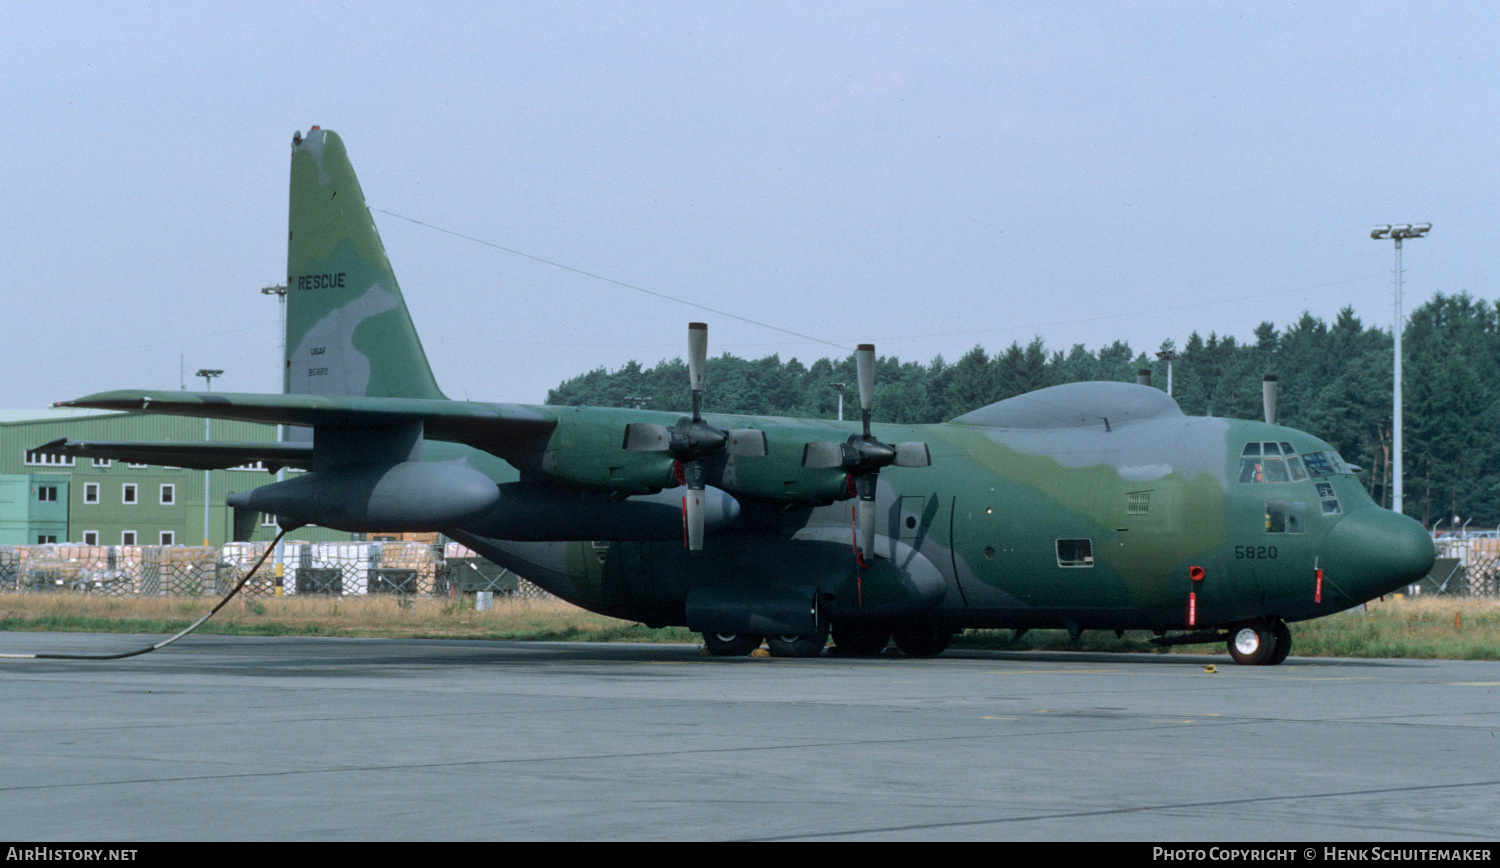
<point x="1254" y="553"/>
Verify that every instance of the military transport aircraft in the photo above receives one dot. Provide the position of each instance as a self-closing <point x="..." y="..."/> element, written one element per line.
<point x="1082" y="506"/>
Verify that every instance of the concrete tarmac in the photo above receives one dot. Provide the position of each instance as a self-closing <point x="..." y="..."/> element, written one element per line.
<point x="269" y="739"/>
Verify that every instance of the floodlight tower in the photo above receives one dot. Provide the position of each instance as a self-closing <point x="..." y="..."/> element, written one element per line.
<point x="1168" y="356"/>
<point x="1398" y="233"/>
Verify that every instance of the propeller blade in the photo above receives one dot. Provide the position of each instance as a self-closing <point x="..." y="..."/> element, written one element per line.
<point x="914" y="454"/>
<point x="692" y="514"/>
<point x="646" y="437"/>
<point x="746" y="441"/>
<point x="864" y="513"/>
<point x="697" y="359"/>
<point x="822" y="455"/>
<point x="694" y="474"/>
<point x="864" y="360"/>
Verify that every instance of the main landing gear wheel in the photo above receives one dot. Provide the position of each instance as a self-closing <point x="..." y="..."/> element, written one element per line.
<point x="1283" y="642"/>
<point x="860" y="643"/>
<point x="923" y="641"/>
<point x="797" y="646"/>
<point x="730" y="644"/>
<point x="1254" y="643"/>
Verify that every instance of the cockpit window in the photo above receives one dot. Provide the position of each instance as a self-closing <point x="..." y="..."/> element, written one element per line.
<point x="1279" y="462"/>
<point x="1325" y="464"/>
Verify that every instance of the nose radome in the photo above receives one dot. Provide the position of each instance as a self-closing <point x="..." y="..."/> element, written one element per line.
<point x="1374" y="551"/>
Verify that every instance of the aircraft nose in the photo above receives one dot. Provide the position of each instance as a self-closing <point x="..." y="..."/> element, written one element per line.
<point x="1375" y="551"/>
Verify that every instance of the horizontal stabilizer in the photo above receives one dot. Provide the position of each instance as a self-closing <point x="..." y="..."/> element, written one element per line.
<point x="269" y="455"/>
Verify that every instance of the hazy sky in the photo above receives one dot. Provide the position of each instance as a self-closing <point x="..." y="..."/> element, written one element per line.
<point x="926" y="176"/>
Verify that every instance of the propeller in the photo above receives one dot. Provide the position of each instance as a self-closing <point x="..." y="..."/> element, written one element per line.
<point x="862" y="456"/>
<point x="692" y="440"/>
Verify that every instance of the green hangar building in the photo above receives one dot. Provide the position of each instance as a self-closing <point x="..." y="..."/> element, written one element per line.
<point x="56" y="499"/>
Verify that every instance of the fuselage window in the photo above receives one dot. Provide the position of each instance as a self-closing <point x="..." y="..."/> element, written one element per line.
<point x="1075" y="553"/>
<point x="1330" y="501"/>
<point x="1286" y="516"/>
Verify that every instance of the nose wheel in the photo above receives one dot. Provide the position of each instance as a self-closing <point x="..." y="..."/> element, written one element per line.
<point x="1260" y="643"/>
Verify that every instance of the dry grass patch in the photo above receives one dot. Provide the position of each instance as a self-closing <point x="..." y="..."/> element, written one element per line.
<point x="379" y="616"/>
<point x="1443" y="627"/>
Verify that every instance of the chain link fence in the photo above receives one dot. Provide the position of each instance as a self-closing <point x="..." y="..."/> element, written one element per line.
<point x="412" y="569"/>
<point x="1465" y="567"/>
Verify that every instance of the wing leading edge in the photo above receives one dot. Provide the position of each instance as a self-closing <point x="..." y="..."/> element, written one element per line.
<point x="499" y="429"/>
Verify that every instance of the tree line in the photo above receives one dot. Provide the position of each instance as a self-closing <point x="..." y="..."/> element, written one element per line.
<point x="1334" y="382"/>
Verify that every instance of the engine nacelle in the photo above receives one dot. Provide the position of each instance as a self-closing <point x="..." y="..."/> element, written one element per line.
<point x="411" y="496"/>
<point x="543" y="512"/>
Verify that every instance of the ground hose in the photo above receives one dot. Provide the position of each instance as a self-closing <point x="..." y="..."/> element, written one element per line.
<point x="165" y="642"/>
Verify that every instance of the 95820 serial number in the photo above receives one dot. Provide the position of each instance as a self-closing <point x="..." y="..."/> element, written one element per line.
<point x="1254" y="553"/>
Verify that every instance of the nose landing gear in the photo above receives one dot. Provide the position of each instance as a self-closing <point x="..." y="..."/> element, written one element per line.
<point x="1260" y="643"/>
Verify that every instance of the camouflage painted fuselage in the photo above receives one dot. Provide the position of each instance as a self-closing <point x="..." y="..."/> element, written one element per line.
<point x="1024" y="519"/>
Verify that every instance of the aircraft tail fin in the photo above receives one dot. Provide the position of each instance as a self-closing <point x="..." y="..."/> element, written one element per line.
<point x="348" y="332"/>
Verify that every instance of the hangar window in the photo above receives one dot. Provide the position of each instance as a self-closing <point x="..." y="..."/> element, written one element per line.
<point x="127" y="495"/>
<point x="127" y="537"/>
<point x="38" y="459"/>
<point x="168" y="538"/>
<point x="91" y="537"/>
<point x="46" y="539"/>
<point x="46" y="493"/>
<point x="91" y="492"/>
<point x="102" y="462"/>
<point x="168" y="496"/>
<point x="1075" y="553"/>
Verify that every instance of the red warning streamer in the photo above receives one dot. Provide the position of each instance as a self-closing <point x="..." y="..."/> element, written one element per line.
<point x="1196" y="574"/>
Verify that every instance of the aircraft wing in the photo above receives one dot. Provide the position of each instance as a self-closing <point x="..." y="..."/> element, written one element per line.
<point x="492" y="427"/>
<point x="219" y="455"/>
